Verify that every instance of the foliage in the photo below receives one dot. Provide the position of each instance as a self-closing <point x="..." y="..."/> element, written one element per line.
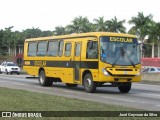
<point x="59" y="30"/>
<point x="142" y="26"/>
<point x="114" y="25"/>
<point x="79" y="25"/>
<point x="100" y="24"/>
<point x="154" y="33"/>
<point x="9" y="40"/>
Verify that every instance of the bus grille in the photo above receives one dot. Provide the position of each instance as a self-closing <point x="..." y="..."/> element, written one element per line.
<point x="124" y="69"/>
<point x="123" y="75"/>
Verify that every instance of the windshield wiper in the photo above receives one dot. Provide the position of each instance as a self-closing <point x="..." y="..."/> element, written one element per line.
<point x="122" y="53"/>
<point x="129" y="58"/>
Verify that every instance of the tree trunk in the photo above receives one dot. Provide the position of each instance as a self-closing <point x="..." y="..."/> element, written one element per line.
<point x="9" y="50"/>
<point x="152" y="50"/>
<point x="15" y="51"/>
<point x="158" y="50"/>
<point x="19" y="49"/>
<point x="142" y="54"/>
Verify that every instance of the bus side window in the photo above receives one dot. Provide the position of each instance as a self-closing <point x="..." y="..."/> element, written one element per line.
<point x="68" y="48"/>
<point x="32" y="49"/>
<point x="92" y="50"/>
<point x="42" y="49"/>
<point x="53" y="48"/>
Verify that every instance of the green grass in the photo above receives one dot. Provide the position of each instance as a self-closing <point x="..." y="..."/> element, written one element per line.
<point x="27" y="101"/>
<point x="20" y="100"/>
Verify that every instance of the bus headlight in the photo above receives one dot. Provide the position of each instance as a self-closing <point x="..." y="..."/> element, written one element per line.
<point x="105" y="72"/>
<point x="138" y="74"/>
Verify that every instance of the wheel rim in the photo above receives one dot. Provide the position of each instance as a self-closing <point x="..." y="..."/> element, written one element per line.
<point x="88" y="83"/>
<point x="41" y="77"/>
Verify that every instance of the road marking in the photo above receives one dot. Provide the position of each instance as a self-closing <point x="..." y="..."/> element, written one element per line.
<point x="143" y="102"/>
<point x="149" y="94"/>
<point x="71" y="92"/>
<point x="18" y="84"/>
<point x="120" y="99"/>
<point x="130" y="101"/>
<point x="140" y="84"/>
<point x="2" y="81"/>
<point x="41" y="87"/>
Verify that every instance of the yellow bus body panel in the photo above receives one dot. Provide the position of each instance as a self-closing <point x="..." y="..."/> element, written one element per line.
<point x="32" y="65"/>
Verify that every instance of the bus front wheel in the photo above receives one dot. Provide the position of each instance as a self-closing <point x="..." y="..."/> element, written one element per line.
<point x="43" y="80"/>
<point x="125" y="87"/>
<point x="89" y="84"/>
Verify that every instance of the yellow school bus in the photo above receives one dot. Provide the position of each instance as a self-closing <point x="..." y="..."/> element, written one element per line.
<point x="92" y="59"/>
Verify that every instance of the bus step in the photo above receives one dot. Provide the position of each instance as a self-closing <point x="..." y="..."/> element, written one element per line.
<point x="31" y="77"/>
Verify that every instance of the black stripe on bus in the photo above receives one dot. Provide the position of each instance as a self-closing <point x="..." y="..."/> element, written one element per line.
<point x="65" y="64"/>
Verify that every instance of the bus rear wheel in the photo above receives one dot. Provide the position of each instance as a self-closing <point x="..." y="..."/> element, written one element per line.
<point x="88" y="83"/>
<point x="43" y="80"/>
<point x="125" y="87"/>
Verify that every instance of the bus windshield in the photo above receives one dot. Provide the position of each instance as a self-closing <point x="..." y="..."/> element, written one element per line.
<point x="119" y="51"/>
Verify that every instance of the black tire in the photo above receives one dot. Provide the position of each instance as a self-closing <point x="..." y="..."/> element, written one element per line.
<point x="0" y="71"/>
<point x="18" y="73"/>
<point x="6" y="71"/>
<point x="89" y="85"/>
<point x="125" y="87"/>
<point x="71" y="85"/>
<point x="43" y="80"/>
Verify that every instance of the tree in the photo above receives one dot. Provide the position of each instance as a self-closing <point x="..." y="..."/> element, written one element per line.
<point x="142" y="24"/>
<point x="80" y="25"/>
<point x="154" y="33"/>
<point x="59" y="30"/>
<point x="100" y="24"/>
<point x="114" y="25"/>
<point x="32" y="33"/>
<point x="7" y="39"/>
<point x="18" y="42"/>
<point x="1" y="45"/>
<point x="46" y="33"/>
<point x="154" y="37"/>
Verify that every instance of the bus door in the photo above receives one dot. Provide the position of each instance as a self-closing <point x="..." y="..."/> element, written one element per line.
<point x="77" y="60"/>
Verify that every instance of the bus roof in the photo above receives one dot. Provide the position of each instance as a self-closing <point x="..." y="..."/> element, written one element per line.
<point x="89" y="34"/>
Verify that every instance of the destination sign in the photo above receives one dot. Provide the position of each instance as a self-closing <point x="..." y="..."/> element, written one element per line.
<point x="120" y="39"/>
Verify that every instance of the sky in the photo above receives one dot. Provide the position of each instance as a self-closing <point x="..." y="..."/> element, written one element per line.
<point x="47" y="14"/>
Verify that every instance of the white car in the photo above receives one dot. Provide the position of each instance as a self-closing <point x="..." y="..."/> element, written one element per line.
<point x="151" y="70"/>
<point x="9" y="67"/>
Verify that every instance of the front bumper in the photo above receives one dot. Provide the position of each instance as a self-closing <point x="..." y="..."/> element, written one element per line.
<point x="119" y="78"/>
<point x="14" y="71"/>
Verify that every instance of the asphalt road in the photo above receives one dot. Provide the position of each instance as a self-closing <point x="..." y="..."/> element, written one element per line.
<point x="141" y="96"/>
